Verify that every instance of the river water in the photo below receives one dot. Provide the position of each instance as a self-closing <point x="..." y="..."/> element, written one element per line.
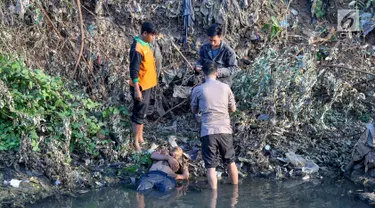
<point x="257" y="193"/>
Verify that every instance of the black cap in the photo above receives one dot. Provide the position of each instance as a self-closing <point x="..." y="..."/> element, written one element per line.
<point x="148" y="27"/>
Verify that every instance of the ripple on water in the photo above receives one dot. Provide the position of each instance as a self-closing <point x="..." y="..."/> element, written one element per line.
<point x="258" y="193"/>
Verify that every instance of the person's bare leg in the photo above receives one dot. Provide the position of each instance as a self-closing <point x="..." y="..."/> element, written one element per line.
<point x="140" y="200"/>
<point x="233" y="173"/>
<point x="212" y="179"/>
<point x="213" y="200"/>
<point x="140" y="136"/>
<point x="234" y="199"/>
<point x="136" y="129"/>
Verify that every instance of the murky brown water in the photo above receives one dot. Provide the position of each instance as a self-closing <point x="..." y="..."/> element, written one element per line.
<point x="256" y="193"/>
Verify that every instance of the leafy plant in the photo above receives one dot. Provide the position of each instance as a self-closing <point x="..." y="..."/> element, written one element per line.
<point x="319" y="9"/>
<point x="39" y="108"/>
<point x="366" y="117"/>
<point x="142" y="159"/>
<point x="274" y="26"/>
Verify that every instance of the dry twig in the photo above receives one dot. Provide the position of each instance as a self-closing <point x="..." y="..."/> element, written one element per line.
<point x="182" y="55"/>
<point x="347" y="69"/>
<point x="82" y="36"/>
<point x="174" y="107"/>
<point x="50" y="21"/>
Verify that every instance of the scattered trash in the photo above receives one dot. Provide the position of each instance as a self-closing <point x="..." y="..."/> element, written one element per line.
<point x="244" y="4"/>
<point x="284" y="24"/>
<point x="152" y="148"/>
<point x="263" y="117"/>
<point x="21" y="7"/>
<point x="279" y="173"/>
<point x="193" y="154"/>
<point x="306" y="177"/>
<point x="14" y="183"/>
<point x="82" y="191"/>
<point x="285" y="160"/>
<point x="255" y="37"/>
<point x="310" y="167"/>
<point x="367" y="23"/>
<point x="132" y="179"/>
<point x="296" y="160"/>
<point x="267" y="147"/>
<point x="241" y="174"/>
<point x="99" y="7"/>
<point x="172" y="141"/>
<point x="218" y="174"/>
<point x="293" y="11"/>
<point x="181" y="91"/>
<point x="139" y="8"/>
<point x="99" y="183"/>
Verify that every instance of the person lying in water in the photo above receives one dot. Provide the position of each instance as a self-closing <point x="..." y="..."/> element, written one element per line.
<point x="165" y="170"/>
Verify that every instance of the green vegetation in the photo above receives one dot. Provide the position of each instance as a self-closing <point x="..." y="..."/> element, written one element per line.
<point x="319" y="9"/>
<point x="38" y="108"/>
<point x="140" y="161"/>
<point x="274" y="28"/>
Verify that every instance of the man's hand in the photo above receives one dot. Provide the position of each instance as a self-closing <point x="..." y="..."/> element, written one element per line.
<point x="198" y="69"/>
<point x="186" y="173"/>
<point x="173" y="163"/>
<point x="197" y="117"/>
<point x="138" y="94"/>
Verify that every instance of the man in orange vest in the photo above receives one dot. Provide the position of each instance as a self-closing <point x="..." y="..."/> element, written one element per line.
<point x="143" y="78"/>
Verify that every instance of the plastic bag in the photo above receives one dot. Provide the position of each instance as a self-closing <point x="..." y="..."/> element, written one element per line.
<point x="181" y="91"/>
<point x="296" y="160"/>
<point x="310" y="167"/>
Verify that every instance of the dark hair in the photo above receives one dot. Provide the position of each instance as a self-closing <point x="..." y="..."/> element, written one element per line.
<point x="209" y="68"/>
<point x="214" y="30"/>
<point x="148" y="27"/>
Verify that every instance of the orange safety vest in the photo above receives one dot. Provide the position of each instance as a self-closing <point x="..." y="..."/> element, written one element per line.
<point x="147" y="77"/>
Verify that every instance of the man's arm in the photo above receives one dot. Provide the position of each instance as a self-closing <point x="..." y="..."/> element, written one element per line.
<point x="194" y="101"/>
<point x="201" y="55"/>
<point x="184" y="176"/>
<point x="231" y="63"/>
<point x="232" y="101"/>
<point x="135" y="63"/>
<point x="159" y="156"/>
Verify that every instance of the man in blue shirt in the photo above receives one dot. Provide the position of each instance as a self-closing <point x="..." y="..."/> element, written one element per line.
<point x="218" y="51"/>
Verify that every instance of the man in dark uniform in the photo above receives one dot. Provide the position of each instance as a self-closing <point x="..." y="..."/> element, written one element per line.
<point x="218" y="51"/>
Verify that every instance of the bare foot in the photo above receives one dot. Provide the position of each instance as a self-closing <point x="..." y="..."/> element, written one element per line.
<point x="141" y="140"/>
<point x="137" y="147"/>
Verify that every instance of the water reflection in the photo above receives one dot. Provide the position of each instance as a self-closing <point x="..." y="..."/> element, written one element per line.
<point x="158" y="199"/>
<point x="231" y="203"/>
<point x="255" y="193"/>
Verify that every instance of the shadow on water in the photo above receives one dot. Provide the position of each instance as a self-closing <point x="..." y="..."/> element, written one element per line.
<point x="257" y="193"/>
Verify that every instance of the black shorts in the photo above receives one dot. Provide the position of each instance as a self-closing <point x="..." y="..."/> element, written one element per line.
<point x="213" y="143"/>
<point x="140" y="108"/>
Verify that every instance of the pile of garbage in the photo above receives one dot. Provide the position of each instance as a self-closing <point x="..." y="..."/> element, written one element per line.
<point x="292" y="100"/>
